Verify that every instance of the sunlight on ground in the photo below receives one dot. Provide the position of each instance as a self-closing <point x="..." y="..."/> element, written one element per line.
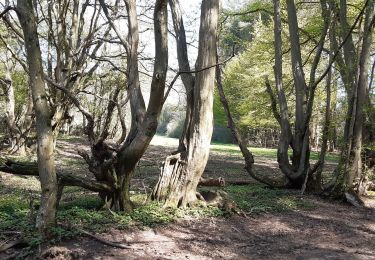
<point x="234" y="149"/>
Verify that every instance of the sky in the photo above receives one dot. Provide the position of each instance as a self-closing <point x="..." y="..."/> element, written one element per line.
<point x="191" y="16"/>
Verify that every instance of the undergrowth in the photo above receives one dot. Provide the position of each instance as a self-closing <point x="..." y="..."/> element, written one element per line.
<point x="81" y="210"/>
<point x="258" y="198"/>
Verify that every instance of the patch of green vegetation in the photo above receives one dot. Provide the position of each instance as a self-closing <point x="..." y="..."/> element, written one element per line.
<point x="82" y="210"/>
<point x="260" y="199"/>
<point x="14" y="212"/>
<point x="71" y="161"/>
<point x="267" y="152"/>
<point x="152" y="214"/>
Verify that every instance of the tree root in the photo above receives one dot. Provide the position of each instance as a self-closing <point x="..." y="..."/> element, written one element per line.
<point x="6" y="245"/>
<point x="353" y="199"/>
<point x="103" y="241"/>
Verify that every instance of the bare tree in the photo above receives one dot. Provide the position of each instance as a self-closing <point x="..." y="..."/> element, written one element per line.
<point x="113" y="166"/>
<point x="298" y="139"/>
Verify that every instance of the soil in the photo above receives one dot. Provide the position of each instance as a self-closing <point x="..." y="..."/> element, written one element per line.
<point x="332" y="230"/>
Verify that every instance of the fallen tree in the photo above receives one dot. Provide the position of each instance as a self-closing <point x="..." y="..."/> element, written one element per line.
<point x="64" y="179"/>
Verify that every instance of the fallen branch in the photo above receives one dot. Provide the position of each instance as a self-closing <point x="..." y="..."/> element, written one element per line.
<point x="220" y="182"/>
<point x="212" y="182"/>
<point x="103" y="241"/>
<point x="66" y="179"/>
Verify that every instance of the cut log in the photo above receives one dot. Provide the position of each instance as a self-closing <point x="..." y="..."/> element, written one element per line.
<point x="212" y="182"/>
<point x="220" y="182"/>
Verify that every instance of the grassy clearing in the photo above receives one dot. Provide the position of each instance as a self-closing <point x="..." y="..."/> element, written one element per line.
<point x="269" y="153"/>
<point x="258" y="199"/>
<point x="266" y="152"/>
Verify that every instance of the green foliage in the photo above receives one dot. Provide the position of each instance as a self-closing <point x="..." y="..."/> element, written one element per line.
<point x="260" y="199"/>
<point x="243" y="83"/>
<point x="21" y="89"/>
<point x="238" y="30"/>
<point x="152" y="214"/>
<point x="14" y="210"/>
<point x="171" y="121"/>
<point x="220" y="117"/>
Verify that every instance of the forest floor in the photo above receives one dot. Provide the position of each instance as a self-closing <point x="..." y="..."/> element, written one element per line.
<point x="276" y="224"/>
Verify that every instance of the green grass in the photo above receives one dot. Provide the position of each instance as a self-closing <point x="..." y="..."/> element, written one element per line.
<point x="258" y="198"/>
<point x="82" y="211"/>
<point x="270" y="153"/>
<point x="14" y="211"/>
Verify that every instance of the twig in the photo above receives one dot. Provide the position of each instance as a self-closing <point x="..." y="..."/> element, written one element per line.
<point x="6" y="10"/>
<point x="103" y="241"/>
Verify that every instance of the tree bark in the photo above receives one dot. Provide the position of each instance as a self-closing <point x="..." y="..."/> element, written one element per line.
<point x="46" y="165"/>
<point x="177" y="185"/>
<point x="184" y="66"/>
<point x="364" y="65"/>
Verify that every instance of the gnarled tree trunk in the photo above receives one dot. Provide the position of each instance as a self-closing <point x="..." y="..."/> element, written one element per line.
<point x="298" y="167"/>
<point x="181" y="173"/>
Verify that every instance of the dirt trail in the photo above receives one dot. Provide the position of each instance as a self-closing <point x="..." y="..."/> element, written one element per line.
<point x="332" y="231"/>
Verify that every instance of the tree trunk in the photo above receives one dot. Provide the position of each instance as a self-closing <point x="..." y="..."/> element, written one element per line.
<point x="14" y="133"/>
<point x="349" y="170"/>
<point x="46" y="165"/>
<point x="144" y="122"/>
<point x="180" y="176"/>
<point x="364" y="65"/>
<point x="184" y="66"/>
<point x="296" y="170"/>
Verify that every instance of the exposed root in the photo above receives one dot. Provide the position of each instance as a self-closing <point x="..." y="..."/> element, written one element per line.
<point x="221" y="200"/>
<point x="9" y="244"/>
<point x="354" y="199"/>
<point x="103" y="241"/>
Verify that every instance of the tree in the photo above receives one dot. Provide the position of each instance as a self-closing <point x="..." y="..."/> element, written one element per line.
<point x="113" y="166"/>
<point x="354" y="69"/>
<point x="181" y="172"/>
<point x="18" y="104"/>
<point x="45" y="148"/>
<point x="299" y="168"/>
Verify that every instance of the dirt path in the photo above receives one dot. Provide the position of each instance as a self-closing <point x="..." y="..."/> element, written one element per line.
<point x="332" y="231"/>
